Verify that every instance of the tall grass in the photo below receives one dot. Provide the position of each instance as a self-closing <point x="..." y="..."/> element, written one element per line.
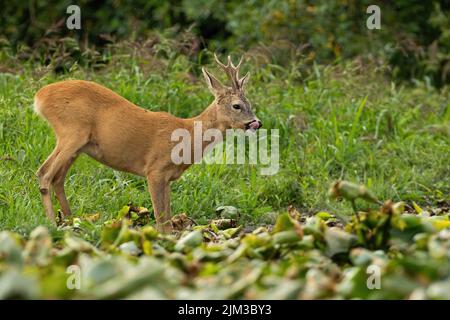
<point x="340" y="122"/>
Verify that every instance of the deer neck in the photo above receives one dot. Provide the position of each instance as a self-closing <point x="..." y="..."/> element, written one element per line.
<point x="206" y="120"/>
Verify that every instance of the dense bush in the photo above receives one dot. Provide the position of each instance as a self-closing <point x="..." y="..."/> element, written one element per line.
<point x="414" y="35"/>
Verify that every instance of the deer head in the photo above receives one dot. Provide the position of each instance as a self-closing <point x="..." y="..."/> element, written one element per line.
<point x="233" y="109"/>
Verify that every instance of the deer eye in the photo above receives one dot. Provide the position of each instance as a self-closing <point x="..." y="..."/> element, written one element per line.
<point x="236" y="107"/>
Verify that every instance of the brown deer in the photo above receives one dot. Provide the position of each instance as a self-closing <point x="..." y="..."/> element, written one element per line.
<point x="89" y="118"/>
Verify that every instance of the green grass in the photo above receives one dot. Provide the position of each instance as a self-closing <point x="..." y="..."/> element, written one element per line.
<point x="340" y="123"/>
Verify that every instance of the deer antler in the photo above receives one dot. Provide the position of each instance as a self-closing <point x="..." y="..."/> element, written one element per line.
<point x="231" y="70"/>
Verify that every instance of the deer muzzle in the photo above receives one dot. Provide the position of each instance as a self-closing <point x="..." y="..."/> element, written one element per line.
<point x="253" y="125"/>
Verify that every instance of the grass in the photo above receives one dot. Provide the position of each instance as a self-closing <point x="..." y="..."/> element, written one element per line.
<point x="341" y="122"/>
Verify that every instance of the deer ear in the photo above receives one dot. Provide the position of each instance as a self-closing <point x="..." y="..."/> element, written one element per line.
<point x="243" y="81"/>
<point x="214" y="85"/>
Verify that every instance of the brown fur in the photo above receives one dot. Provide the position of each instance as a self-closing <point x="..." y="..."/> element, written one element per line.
<point x="89" y="118"/>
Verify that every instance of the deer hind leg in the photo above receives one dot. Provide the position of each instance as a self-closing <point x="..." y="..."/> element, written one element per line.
<point x="44" y="185"/>
<point x="58" y="186"/>
<point x="65" y="151"/>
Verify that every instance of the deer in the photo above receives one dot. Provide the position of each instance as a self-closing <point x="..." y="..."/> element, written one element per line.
<point x="88" y="118"/>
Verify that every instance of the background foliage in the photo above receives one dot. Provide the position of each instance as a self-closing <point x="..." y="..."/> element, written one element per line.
<point x="414" y="36"/>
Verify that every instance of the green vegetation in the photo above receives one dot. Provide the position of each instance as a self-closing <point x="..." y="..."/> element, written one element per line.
<point x="370" y="107"/>
<point x="381" y="254"/>
<point x="414" y="37"/>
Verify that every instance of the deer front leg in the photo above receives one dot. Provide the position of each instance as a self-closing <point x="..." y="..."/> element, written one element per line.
<point x="159" y="188"/>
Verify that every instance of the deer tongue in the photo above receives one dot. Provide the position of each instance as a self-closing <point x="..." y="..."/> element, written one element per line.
<point x="254" y="125"/>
